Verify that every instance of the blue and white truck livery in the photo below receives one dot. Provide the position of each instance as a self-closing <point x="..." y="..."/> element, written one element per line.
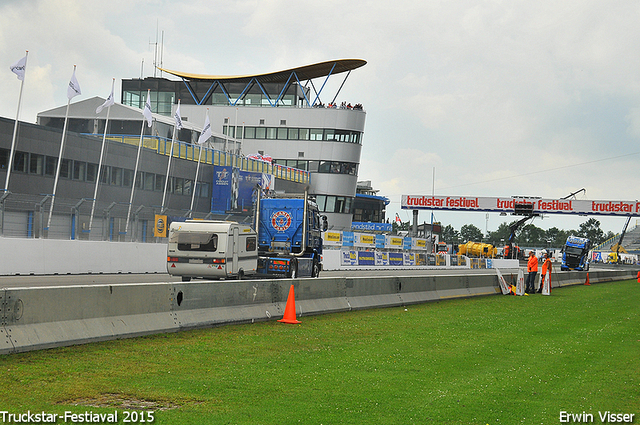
<point x="575" y="254"/>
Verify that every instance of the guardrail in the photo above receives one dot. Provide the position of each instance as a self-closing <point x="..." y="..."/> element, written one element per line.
<point x="46" y="317"/>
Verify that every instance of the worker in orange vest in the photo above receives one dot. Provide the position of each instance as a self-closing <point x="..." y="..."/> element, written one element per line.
<point x="546" y="268"/>
<point x="532" y="268"/>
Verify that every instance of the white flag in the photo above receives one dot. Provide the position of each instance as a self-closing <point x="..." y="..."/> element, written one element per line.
<point x="178" y="118"/>
<point x="110" y="101"/>
<point x="19" y="68"/>
<point x="206" y="132"/>
<point x="74" y="88"/>
<point x="147" y="111"/>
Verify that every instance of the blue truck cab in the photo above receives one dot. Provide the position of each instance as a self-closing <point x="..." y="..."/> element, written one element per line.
<point x="575" y="254"/>
<point x="289" y="237"/>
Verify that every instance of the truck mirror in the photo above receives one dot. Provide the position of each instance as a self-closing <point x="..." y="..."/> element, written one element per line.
<point x="325" y="223"/>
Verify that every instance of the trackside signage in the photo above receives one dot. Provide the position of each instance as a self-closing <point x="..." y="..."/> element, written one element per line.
<point x="507" y="205"/>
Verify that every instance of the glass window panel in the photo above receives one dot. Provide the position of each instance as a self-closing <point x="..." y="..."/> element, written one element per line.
<point x="313" y="166"/>
<point x="178" y="186"/>
<point x="105" y="174"/>
<point x="65" y="168"/>
<point x="188" y="184"/>
<point x="149" y="179"/>
<point x="20" y="161"/>
<point x="271" y="133"/>
<point x="159" y="186"/>
<point x="324" y="167"/>
<point x="92" y="172"/>
<point x="329" y="135"/>
<point x="4" y="159"/>
<point x="36" y="164"/>
<point x="347" y="205"/>
<point x="293" y="134"/>
<point x="303" y="134"/>
<point x="316" y="134"/>
<point x="331" y="204"/>
<point x="79" y="170"/>
<point x="282" y="133"/>
<point x="50" y="166"/>
<point x="261" y="133"/>
<point x="249" y="132"/>
<point x="320" y="200"/>
<point x="116" y="176"/>
<point x="339" y="207"/>
<point x="127" y="178"/>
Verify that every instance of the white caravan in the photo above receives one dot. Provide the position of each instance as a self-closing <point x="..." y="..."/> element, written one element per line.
<point x="211" y="249"/>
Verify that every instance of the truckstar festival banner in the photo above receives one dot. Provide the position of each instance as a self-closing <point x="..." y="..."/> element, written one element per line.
<point x="507" y="205"/>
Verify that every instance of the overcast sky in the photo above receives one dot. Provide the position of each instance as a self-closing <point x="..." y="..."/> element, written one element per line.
<point x="500" y="98"/>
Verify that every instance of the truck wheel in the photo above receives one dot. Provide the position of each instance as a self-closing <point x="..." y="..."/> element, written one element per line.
<point x="240" y="274"/>
<point x="315" y="271"/>
<point x="293" y="269"/>
<point x="186" y="278"/>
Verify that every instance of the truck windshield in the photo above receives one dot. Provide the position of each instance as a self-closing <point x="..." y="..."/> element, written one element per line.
<point x="573" y="250"/>
<point x="191" y="241"/>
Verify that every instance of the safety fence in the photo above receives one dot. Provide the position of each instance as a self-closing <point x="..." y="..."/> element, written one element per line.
<point x="46" y="317"/>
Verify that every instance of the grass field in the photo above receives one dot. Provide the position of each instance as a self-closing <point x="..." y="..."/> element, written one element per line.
<point x="489" y="360"/>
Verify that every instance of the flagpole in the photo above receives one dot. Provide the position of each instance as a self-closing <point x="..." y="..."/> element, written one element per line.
<point x="206" y="134"/>
<point x="15" y="130"/>
<point x="104" y="138"/>
<point x="166" y="181"/>
<point x="135" y="172"/>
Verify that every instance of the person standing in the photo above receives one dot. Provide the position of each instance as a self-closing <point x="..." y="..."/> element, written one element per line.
<point x="546" y="268"/>
<point x="532" y="268"/>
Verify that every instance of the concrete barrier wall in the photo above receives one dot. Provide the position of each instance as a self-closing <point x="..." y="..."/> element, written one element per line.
<point x="38" y="318"/>
<point x="51" y="256"/>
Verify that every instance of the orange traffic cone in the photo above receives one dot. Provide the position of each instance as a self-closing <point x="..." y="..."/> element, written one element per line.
<point x="587" y="281"/>
<point x="638" y="277"/>
<point x="290" y="309"/>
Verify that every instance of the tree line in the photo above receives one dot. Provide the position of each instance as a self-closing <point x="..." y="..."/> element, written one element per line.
<point x="528" y="235"/>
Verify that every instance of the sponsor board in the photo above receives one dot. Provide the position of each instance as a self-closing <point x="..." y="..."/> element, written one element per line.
<point x="507" y="205"/>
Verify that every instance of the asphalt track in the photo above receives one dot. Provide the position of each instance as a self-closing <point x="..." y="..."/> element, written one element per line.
<point x="29" y="281"/>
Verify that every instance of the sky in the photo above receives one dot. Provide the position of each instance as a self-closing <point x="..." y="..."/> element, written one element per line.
<point x="493" y="98"/>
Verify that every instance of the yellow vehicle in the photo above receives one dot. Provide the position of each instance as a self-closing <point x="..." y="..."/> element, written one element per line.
<point x="477" y="249"/>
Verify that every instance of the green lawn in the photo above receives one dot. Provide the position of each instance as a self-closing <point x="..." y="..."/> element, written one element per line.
<point x="489" y="360"/>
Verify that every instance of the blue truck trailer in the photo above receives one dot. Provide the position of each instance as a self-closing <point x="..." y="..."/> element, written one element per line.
<point x="575" y="254"/>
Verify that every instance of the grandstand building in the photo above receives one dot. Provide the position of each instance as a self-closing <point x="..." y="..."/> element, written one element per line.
<point x="278" y="115"/>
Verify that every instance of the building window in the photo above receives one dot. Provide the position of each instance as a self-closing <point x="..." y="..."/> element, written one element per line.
<point x="92" y="170"/>
<point x="65" y="168"/>
<point x="79" y="170"/>
<point x="20" y="161"/>
<point x="282" y="134"/>
<point x="316" y="134"/>
<point x="36" y="164"/>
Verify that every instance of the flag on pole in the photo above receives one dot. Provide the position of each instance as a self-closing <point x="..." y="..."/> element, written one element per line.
<point x="206" y="131"/>
<point x="147" y="111"/>
<point x="398" y="218"/>
<point x="110" y="101"/>
<point x="178" y="118"/>
<point x="19" y="68"/>
<point x="74" y="88"/>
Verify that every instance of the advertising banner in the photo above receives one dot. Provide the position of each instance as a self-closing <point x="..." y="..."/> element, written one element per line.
<point x="365" y="240"/>
<point x="395" y="242"/>
<point x="347" y="238"/>
<point x="380" y="241"/>
<point x="349" y="258"/>
<point x="370" y="227"/>
<point x="366" y="258"/>
<point x="409" y="259"/>
<point x="396" y="259"/>
<point x="332" y="238"/>
<point x="507" y="205"/>
<point x="382" y="258"/>
<point x="233" y="190"/>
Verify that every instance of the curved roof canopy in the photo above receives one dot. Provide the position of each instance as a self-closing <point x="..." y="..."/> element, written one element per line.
<point x="307" y="72"/>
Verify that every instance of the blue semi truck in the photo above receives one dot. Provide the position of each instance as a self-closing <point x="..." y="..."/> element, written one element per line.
<point x="289" y="237"/>
<point x="575" y="254"/>
<point x="285" y="241"/>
